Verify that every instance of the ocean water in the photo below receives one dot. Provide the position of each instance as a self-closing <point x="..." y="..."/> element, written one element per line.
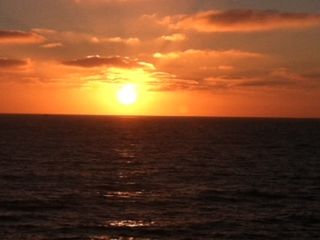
<point x="77" y="177"/>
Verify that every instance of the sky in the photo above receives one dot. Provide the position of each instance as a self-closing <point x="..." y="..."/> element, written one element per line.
<point x="184" y="57"/>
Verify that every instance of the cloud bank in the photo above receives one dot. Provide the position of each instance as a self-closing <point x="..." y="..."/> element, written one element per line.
<point x="241" y="21"/>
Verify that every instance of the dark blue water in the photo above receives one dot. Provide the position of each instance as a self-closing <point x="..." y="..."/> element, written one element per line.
<point x="64" y="177"/>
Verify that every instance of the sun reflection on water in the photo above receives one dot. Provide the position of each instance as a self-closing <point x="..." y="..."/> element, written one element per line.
<point x="117" y="238"/>
<point x="129" y="223"/>
<point x="125" y="153"/>
<point x="126" y="195"/>
<point x="124" y="224"/>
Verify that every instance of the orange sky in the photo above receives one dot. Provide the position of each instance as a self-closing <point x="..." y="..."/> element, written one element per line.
<point x="207" y="58"/>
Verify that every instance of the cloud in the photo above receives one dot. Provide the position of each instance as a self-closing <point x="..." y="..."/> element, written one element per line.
<point x="6" y="63"/>
<point x="52" y="45"/>
<point x="176" y="37"/>
<point x="241" y="21"/>
<point x="72" y="37"/>
<point x="201" y="64"/>
<point x="272" y="79"/>
<point x="117" y="69"/>
<point x="163" y="81"/>
<point x="69" y="37"/>
<point x="110" y="70"/>
<point x="128" y="41"/>
<point x="20" y="37"/>
<point x="222" y="70"/>
<point x="211" y="69"/>
<point x="265" y="83"/>
<point x="87" y="2"/>
<point x="196" y="53"/>
<point x="15" y="70"/>
<point x="114" y="61"/>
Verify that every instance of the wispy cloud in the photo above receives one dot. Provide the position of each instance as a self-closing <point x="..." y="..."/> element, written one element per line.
<point x="208" y="54"/>
<point x="106" y="1"/>
<point x="199" y="63"/>
<point x="20" y="37"/>
<point x="128" y="41"/>
<point x="74" y="37"/>
<point x="52" y="45"/>
<point x="114" y="61"/>
<point x="176" y="37"/>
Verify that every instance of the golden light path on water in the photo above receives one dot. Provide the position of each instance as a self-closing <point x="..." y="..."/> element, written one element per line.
<point x="127" y="154"/>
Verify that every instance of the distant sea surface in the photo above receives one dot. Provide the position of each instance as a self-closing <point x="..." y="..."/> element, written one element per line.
<point x="99" y="178"/>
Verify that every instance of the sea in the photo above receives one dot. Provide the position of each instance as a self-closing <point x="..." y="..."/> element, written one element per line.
<point x="143" y="178"/>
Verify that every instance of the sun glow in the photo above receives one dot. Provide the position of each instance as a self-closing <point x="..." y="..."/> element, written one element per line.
<point x="127" y="95"/>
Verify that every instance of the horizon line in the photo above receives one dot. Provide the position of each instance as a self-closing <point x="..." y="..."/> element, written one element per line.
<point x="158" y="116"/>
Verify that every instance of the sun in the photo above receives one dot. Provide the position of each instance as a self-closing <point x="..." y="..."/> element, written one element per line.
<point x="127" y="95"/>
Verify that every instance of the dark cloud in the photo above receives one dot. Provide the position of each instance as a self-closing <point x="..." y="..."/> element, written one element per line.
<point x="280" y="78"/>
<point x="19" y="37"/>
<point x="284" y="79"/>
<point x="115" y="61"/>
<point x="242" y="21"/>
<point x="11" y="63"/>
<point x="266" y="83"/>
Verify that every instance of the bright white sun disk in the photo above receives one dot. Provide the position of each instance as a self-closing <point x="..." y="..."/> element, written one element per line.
<point x="127" y="95"/>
